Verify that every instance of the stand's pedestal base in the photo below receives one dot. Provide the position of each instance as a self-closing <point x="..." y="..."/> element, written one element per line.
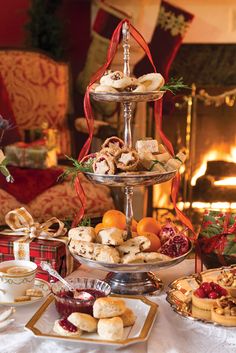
<point x="134" y="283"/>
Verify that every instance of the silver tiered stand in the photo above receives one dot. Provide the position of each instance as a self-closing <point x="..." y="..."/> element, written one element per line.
<point x="130" y="278"/>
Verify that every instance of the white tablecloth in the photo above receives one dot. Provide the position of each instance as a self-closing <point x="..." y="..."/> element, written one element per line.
<point x="171" y="333"/>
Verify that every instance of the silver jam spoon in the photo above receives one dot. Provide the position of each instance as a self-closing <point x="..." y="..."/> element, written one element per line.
<point x="81" y="295"/>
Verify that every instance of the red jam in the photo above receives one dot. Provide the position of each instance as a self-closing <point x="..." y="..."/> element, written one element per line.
<point x="68" y="304"/>
<point x="67" y="325"/>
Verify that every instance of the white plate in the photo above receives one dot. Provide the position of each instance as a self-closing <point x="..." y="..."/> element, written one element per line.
<point x="41" y="324"/>
<point x="38" y="284"/>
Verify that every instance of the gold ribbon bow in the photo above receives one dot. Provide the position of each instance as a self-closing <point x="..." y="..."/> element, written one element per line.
<point x="22" y="224"/>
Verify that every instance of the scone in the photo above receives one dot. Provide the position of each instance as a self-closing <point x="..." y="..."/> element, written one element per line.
<point x="227" y="280"/>
<point x="105" y="253"/>
<point x="64" y="328"/>
<point x="128" y="317"/>
<point x="111" y="236"/>
<point x="111" y="329"/>
<point x="82" y="233"/>
<point x="132" y="258"/>
<point x="82" y="248"/>
<point x="108" y="307"/>
<point x="206" y="295"/>
<point x="224" y="311"/>
<point x="134" y="245"/>
<point x="144" y="257"/>
<point x="83" y="322"/>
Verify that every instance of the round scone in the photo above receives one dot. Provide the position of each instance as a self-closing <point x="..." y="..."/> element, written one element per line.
<point x="65" y="328"/>
<point x="83" y="322"/>
<point x="224" y="311"/>
<point x="206" y="295"/>
<point x="108" y="307"/>
<point x="110" y="236"/>
<point x="128" y="317"/>
<point x="82" y="233"/>
<point x="111" y="329"/>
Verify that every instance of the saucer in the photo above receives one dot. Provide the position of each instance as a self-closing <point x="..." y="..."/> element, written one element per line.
<point x="38" y="284"/>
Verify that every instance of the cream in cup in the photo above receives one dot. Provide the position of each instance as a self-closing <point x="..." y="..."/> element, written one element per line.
<point x="16" y="276"/>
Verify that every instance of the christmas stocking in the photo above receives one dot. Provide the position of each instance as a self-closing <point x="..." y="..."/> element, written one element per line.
<point x="172" y="25"/>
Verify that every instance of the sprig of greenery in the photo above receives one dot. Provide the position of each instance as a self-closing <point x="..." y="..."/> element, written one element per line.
<point x="85" y="222"/>
<point x="174" y="85"/>
<point x="77" y="167"/>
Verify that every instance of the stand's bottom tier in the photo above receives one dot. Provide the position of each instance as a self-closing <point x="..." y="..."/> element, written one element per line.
<point x="134" y="283"/>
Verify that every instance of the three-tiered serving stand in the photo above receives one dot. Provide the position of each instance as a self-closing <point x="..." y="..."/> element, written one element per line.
<point x="130" y="278"/>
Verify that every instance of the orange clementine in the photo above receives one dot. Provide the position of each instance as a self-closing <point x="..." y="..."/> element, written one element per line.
<point x="114" y="218"/>
<point x="148" y="224"/>
<point x="155" y="241"/>
<point x="98" y="227"/>
<point x="134" y="225"/>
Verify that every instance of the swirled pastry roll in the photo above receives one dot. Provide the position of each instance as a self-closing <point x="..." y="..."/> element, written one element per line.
<point x="104" y="164"/>
<point x="126" y="159"/>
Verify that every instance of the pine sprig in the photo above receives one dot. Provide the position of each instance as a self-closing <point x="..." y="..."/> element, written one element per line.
<point x="77" y="167"/>
<point x="174" y="85"/>
<point x="85" y="222"/>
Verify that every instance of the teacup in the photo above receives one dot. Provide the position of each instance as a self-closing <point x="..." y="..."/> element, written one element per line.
<point x="16" y="276"/>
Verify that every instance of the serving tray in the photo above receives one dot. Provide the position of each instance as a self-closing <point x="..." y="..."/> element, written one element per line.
<point x="127" y="96"/>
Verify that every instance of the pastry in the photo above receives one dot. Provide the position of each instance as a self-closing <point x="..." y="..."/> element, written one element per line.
<point x="152" y="81"/>
<point x="117" y="80"/>
<point x="205" y="296"/>
<point x="104" y="164"/>
<point x="108" y="307"/>
<point x="104" y="253"/>
<point x="113" y="142"/>
<point x="34" y="292"/>
<point x="65" y="328"/>
<point x="201" y="314"/>
<point x="82" y="248"/>
<point x="134" y="245"/>
<point x="147" y="145"/>
<point x="227" y="279"/>
<point x="132" y="258"/>
<point x="128" y="317"/>
<point x="224" y="311"/>
<point x="105" y="88"/>
<point x="163" y="157"/>
<point x="126" y="159"/>
<point x="107" y="72"/>
<point x="172" y="164"/>
<point x="143" y="257"/>
<point x="83" y="322"/>
<point x="135" y="87"/>
<point x="111" y="236"/>
<point x="111" y="329"/>
<point x="82" y="233"/>
<point x="109" y="151"/>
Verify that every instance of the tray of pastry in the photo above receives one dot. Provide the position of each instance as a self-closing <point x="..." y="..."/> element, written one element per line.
<point x="130" y="322"/>
<point x="209" y="297"/>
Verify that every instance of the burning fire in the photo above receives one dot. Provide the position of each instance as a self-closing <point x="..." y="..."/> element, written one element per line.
<point x="226" y="182"/>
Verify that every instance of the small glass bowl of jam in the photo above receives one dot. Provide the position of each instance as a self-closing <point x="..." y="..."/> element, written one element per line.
<point x="65" y="301"/>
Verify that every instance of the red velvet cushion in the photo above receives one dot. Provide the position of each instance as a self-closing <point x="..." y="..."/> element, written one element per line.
<point x="12" y="134"/>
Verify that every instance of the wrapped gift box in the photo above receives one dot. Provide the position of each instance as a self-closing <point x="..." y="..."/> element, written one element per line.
<point x="40" y="250"/>
<point x="217" y="238"/>
<point x="34" y="155"/>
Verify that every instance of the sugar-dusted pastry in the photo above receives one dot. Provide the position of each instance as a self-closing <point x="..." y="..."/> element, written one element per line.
<point x="34" y="292"/>
<point x="135" y="87"/>
<point x="111" y="236"/>
<point x="147" y="145"/>
<point x="82" y="248"/>
<point x="65" y="328"/>
<point x="163" y="157"/>
<point x="126" y="159"/>
<point x="111" y="329"/>
<point x="108" y="307"/>
<point x="149" y="161"/>
<point x="206" y="295"/>
<point x="84" y="322"/>
<point x="105" y="89"/>
<point x="113" y="142"/>
<point x="172" y="164"/>
<point x="162" y="148"/>
<point x="104" y="164"/>
<point x="117" y="80"/>
<point x="152" y="81"/>
<point x="181" y="157"/>
<point x="106" y="254"/>
<point x="224" y="311"/>
<point x="128" y="317"/>
<point x="82" y="233"/>
<point x="227" y="280"/>
<point x="134" y="245"/>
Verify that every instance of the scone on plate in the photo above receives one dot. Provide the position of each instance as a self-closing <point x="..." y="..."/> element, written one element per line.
<point x="82" y="248"/>
<point x="108" y="307"/>
<point x="105" y="253"/>
<point x="83" y="322"/>
<point x="111" y="329"/>
<point x="134" y="245"/>
<point x="128" y="317"/>
<point x="110" y="236"/>
<point x="82" y="233"/>
<point x="65" y="328"/>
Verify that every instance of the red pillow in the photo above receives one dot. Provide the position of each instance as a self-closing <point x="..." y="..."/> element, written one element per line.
<point x="12" y="134"/>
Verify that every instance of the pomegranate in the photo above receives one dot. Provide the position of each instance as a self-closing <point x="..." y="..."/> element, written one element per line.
<point x="175" y="246"/>
<point x="167" y="231"/>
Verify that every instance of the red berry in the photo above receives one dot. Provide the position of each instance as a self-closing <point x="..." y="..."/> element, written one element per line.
<point x="216" y="287"/>
<point x="200" y="293"/>
<point x="206" y="286"/>
<point x="213" y="295"/>
<point x="223" y="292"/>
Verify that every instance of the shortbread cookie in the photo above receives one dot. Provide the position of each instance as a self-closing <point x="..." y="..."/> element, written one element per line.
<point x="134" y="245"/>
<point x="108" y="307"/>
<point x="82" y="233"/>
<point x="128" y="317"/>
<point x="152" y="81"/>
<point x="82" y="248"/>
<point x="34" y="292"/>
<point x="22" y="298"/>
<point x="111" y="329"/>
<point x="65" y="328"/>
<point x="83" y="322"/>
<point x="111" y="236"/>
<point x="106" y="254"/>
